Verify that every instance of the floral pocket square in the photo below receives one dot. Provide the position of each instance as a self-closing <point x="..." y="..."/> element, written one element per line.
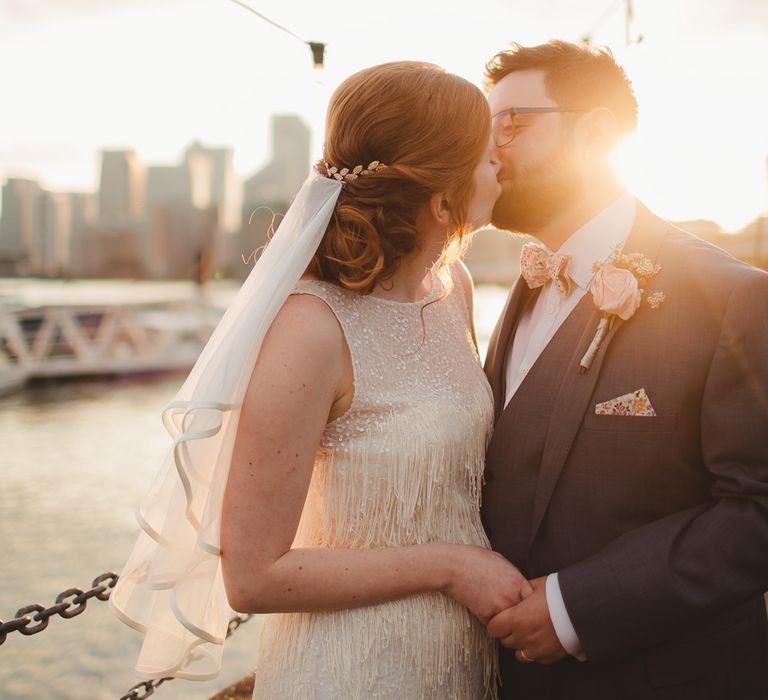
<point x="635" y="403"/>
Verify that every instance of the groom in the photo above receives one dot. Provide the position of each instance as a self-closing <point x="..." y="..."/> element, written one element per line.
<point x="628" y="472"/>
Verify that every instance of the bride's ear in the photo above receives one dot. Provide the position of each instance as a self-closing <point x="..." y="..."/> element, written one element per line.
<point x="440" y="209"/>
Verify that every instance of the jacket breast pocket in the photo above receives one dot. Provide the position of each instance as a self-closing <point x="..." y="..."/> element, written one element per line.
<point x="629" y="424"/>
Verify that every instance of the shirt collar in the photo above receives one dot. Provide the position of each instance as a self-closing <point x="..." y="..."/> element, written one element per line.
<point x="596" y="239"/>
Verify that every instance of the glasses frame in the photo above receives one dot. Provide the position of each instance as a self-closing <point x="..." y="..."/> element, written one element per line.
<point x="512" y="111"/>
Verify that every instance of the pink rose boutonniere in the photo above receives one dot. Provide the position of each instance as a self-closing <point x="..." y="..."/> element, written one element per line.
<point x="617" y="289"/>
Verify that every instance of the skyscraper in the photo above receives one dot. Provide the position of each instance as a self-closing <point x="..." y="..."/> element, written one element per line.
<point x="121" y="193"/>
<point x="20" y="214"/>
<point x="182" y="225"/>
<point x="83" y="218"/>
<point x="21" y="222"/>
<point x="270" y="191"/>
<point x="54" y="254"/>
<point x="225" y="189"/>
<point x="280" y="179"/>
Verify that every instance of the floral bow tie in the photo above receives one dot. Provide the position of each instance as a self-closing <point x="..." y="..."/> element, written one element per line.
<point x="539" y="267"/>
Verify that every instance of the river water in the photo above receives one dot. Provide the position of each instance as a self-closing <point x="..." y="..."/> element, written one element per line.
<point x="76" y="456"/>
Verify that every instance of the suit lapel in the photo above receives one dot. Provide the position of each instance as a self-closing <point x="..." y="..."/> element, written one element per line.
<point x="498" y="346"/>
<point x="577" y="388"/>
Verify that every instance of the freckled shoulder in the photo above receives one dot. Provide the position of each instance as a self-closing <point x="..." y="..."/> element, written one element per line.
<point x="307" y="326"/>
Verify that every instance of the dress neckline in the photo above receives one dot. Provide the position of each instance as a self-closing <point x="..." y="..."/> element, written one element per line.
<point x="435" y="291"/>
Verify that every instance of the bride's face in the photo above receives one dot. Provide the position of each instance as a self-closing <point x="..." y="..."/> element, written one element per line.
<point x="487" y="190"/>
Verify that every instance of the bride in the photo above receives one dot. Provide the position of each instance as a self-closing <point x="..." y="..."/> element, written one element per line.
<point x="329" y="443"/>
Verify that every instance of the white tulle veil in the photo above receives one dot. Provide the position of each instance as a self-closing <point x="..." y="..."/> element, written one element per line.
<point x="171" y="588"/>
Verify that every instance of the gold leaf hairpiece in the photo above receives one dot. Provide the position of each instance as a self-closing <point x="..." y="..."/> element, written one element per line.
<point x="346" y="175"/>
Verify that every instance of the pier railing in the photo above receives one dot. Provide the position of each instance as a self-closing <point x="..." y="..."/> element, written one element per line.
<point x="58" y="341"/>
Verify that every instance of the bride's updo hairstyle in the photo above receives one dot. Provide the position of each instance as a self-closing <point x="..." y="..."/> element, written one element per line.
<point x="428" y="129"/>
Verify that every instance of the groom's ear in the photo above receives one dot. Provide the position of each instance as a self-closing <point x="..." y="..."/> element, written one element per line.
<point x="602" y="129"/>
<point x="440" y="209"/>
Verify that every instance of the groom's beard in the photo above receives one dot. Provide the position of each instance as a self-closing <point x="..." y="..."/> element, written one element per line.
<point x="534" y="196"/>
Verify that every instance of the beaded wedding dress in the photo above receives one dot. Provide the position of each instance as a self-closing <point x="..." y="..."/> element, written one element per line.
<point x="402" y="466"/>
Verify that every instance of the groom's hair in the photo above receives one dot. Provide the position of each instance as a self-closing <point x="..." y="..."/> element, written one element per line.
<point x="577" y="76"/>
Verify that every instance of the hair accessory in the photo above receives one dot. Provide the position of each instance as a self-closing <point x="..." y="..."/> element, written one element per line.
<point x="345" y="174"/>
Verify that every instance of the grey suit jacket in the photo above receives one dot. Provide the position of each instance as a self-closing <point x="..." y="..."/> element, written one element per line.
<point x="658" y="526"/>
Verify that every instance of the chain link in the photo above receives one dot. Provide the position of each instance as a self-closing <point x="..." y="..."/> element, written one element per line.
<point x="71" y="603"/>
<point x="74" y="598"/>
<point x="144" y="689"/>
<point x="149" y="687"/>
<point x="237" y="620"/>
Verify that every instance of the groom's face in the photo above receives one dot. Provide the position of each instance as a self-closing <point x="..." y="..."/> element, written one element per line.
<point x="539" y="174"/>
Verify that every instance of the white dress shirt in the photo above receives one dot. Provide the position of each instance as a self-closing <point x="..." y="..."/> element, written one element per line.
<point x="594" y="241"/>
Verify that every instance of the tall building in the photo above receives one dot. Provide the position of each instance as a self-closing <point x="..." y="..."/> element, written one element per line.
<point x="167" y="184"/>
<point x="280" y="179"/>
<point x="113" y="248"/>
<point x="39" y="230"/>
<point x="187" y="183"/>
<point x="108" y="253"/>
<point x="83" y="207"/>
<point x="268" y="194"/>
<point x="84" y="210"/>
<point x="20" y="225"/>
<point x="21" y="214"/>
<point x="121" y="192"/>
<point x="181" y="224"/>
<point x="54" y="255"/>
<point x="179" y="242"/>
<point x="225" y="188"/>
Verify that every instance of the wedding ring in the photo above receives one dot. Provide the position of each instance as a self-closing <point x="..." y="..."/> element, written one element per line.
<point x="526" y="658"/>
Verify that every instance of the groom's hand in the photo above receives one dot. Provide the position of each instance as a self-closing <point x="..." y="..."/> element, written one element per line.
<point x="528" y="628"/>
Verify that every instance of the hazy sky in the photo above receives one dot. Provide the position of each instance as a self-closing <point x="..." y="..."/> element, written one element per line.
<point x="155" y="74"/>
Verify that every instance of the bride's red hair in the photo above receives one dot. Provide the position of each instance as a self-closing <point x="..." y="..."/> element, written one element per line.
<point x="430" y="129"/>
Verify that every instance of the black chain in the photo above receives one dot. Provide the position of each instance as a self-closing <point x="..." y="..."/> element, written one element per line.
<point x="69" y="603"/>
<point x="236" y="621"/>
<point x="146" y="688"/>
<point x="77" y="599"/>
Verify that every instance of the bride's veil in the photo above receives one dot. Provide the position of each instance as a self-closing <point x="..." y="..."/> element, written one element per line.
<point x="171" y="588"/>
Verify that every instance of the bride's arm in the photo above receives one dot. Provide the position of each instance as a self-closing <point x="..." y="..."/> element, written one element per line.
<point x="304" y="376"/>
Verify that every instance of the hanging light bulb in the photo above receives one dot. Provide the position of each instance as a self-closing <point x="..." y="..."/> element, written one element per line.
<point x="317" y="48"/>
<point x="318" y="53"/>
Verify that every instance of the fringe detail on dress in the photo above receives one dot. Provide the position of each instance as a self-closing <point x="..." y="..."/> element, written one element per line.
<point x="400" y="486"/>
<point x="396" y="487"/>
<point x="393" y="473"/>
<point x="428" y="644"/>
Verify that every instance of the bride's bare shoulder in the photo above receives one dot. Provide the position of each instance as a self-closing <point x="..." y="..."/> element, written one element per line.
<point x="305" y="323"/>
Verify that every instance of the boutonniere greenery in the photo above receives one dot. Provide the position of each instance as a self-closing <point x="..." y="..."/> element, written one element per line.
<point x="618" y="289"/>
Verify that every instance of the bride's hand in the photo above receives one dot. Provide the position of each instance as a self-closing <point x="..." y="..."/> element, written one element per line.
<point x="484" y="581"/>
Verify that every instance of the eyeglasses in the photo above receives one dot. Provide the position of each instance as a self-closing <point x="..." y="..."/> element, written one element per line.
<point x="503" y="123"/>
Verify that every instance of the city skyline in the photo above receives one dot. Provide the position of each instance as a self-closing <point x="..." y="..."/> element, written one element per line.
<point x="192" y="217"/>
<point x="156" y="75"/>
<point x="195" y="218"/>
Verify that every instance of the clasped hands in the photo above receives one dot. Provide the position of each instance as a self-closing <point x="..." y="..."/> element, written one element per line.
<point x="513" y="609"/>
<point x="527" y="627"/>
